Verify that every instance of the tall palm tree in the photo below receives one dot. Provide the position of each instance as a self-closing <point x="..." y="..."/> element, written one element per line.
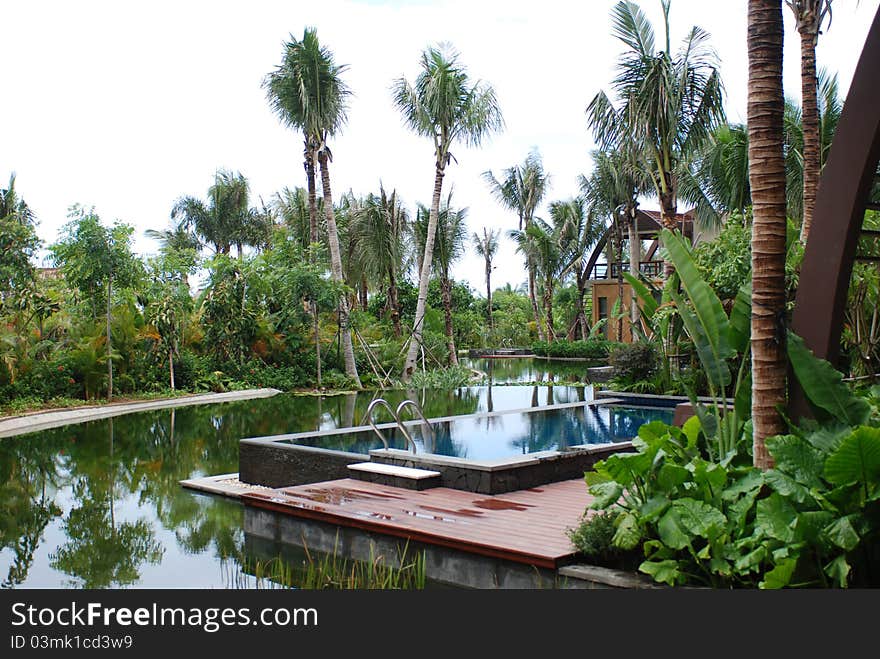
<point x="829" y="110"/>
<point x="292" y="207"/>
<point x="13" y="206"/>
<point x="449" y="246"/>
<point x="521" y="189"/>
<point x="810" y="16"/>
<point x="611" y="194"/>
<point x="226" y="220"/>
<point x="382" y="223"/>
<point x="539" y="242"/>
<point x="307" y="92"/>
<point x="444" y="105"/>
<point x="720" y="176"/>
<point x="670" y="102"/>
<point x="579" y="230"/>
<point x="487" y="246"/>
<point x="767" y="181"/>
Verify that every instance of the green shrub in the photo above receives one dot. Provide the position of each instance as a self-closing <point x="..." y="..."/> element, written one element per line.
<point x="590" y="349"/>
<point x="594" y="537"/>
<point x="634" y="362"/>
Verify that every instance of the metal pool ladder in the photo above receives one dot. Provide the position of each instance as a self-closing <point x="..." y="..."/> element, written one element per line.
<point x="396" y="416"/>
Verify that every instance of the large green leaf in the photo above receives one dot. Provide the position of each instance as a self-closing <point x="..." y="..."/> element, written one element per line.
<point x="824" y="386"/>
<point x="672" y="531"/>
<point x="839" y="569"/>
<point x="797" y="458"/>
<point x="606" y="494"/>
<point x="786" y="486"/>
<point x="843" y="534"/>
<point x="628" y="533"/>
<point x="698" y="518"/>
<point x="780" y="576"/>
<point x="646" y="297"/>
<point x="663" y="571"/>
<point x="775" y="518"/>
<point x="707" y="324"/>
<point x="856" y="460"/>
<point x="741" y="318"/>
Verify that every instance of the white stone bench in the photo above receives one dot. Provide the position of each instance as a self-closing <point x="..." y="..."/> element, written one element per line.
<point x="386" y="474"/>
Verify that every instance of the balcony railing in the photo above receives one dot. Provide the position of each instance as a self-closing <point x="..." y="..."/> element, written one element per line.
<point x="651" y="269"/>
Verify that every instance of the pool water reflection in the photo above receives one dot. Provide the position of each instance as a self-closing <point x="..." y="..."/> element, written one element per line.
<point x="99" y="504"/>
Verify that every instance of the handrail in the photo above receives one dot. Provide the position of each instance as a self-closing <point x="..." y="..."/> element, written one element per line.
<point x="372" y="422"/>
<point x="418" y="409"/>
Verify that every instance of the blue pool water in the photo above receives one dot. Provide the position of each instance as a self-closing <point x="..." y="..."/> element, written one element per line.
<point x="490" y="437"/>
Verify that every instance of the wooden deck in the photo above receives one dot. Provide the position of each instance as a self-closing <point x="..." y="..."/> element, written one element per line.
<point x="526" y="526"/>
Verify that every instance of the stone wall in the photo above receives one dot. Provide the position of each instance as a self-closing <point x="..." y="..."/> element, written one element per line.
<point x="278" y="465"/>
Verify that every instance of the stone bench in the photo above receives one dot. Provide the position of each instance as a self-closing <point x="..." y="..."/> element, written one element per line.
<point x="395" y="476"/>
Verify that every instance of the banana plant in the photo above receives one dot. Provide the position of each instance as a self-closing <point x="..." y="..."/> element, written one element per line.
<point x="718" y="340"/>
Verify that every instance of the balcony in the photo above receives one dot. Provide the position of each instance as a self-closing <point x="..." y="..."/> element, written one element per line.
<point x="648" y="269"/>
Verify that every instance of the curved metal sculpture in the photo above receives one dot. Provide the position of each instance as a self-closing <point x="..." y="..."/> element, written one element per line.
<point x="843" y="197"/>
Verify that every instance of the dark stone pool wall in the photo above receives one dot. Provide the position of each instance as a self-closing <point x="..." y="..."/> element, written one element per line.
<point x="502" y="476"/>
<point x="278" y="465"/>
<point x="275" y="464"/>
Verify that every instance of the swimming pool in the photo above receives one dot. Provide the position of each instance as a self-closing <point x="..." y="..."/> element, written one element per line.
<point x="484" y="437"/>
<point x="491" y="452"/>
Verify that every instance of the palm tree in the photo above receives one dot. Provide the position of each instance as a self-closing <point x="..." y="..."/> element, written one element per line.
<point x="809" y="16"/>
<point x="539" y="242"/>
<point x="449" y="246"/>
<point x="579" y="230"/>
<point x="445" y="106"/>
<point x="521" y="189"/>
<point x="227" y="219"/>
<point x="719" y="183"/>
<point x="13" y="206"/>
<point x="487" y="246"/>
<point x="292" y="207"/>
<point x="308" y="94"/>
<point x="382" y="223"/>
<point x="611" y="194"/>
<point x="767" y="181"/>
<point x="795" y="147"/>
<point x="670" y="103"/>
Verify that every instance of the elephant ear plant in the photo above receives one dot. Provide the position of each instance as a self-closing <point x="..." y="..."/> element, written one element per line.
<point x="701" y="514"/>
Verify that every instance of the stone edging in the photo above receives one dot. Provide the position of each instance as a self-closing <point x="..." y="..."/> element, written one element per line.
<point x="19" y="425"/>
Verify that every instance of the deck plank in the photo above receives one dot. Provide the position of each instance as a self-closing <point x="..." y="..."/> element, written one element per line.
<point x="527" y="526"/>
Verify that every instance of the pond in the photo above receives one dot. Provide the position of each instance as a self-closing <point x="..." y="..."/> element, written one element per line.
<point x="99" y="505"/>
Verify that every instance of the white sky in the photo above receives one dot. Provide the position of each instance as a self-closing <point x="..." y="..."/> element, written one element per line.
<point x="127" y="106"/>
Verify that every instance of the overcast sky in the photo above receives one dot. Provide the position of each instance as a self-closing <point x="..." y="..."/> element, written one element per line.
<point x="126" y="106"/>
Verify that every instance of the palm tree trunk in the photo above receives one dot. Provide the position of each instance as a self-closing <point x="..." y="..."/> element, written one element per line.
<point x="336" y="271"/>
<point x="548" y="310"/>
<point x="767" y="181"/>
<point x="109" y="347"/>
<point x="447" y="313"/>
<point x="314" y="310"/>
<point x="618" y="256"/>
<point x="668" y="211"/>
<point x="415" y="344"/>
<point x="309" y="165"/>
<point x="810" y="124"/>
<point x="489" y="300"/>
<point x="363" y="294"/>
<point x="394" y="303"/>
<point x="635" y="255"/>
<point x="533" y="298"/>
<point x="171" y="367"/>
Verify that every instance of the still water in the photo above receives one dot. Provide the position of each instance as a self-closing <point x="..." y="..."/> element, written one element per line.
<point x="99" y="505"/>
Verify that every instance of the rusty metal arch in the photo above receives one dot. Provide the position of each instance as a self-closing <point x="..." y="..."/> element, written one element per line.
<point x="842" y="199"/>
